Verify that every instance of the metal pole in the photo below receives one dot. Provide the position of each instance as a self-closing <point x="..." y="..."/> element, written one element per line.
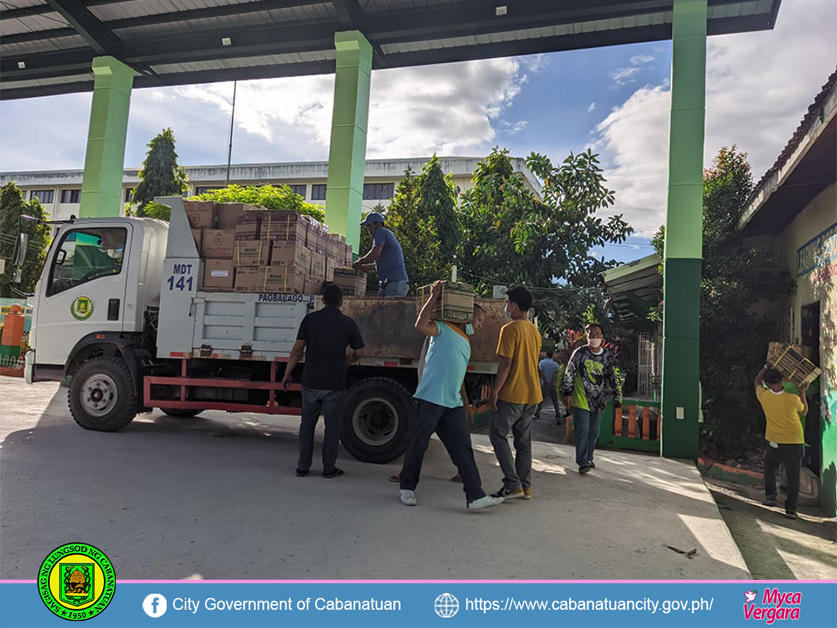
<point x="232" y="126"/>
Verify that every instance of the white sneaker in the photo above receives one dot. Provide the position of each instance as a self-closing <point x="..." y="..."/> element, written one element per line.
<point x="484" y="502"/>
<point x="408" y="498"/>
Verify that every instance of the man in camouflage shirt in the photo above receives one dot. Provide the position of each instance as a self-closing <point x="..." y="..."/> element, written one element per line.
<point x="590" y="368"/>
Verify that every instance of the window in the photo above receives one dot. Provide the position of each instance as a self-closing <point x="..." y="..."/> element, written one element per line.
<point x="70" y="196"/>
<point x="45" y="196"/>
<point x="85" y="255"/>
<point x="378" y="191"/>
<point x="299" y="189"/>
<point x="129" y="192"/>
<point x="203" y="189"/>
<point x="318" y="192"/>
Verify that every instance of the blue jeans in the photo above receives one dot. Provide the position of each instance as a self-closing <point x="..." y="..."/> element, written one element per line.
<point x="586" y="425"/>
<point x="330" y="404"/>
<point x="394" y="289"/>
<point x="517" y="419"/>
<point x="451" y="425"/>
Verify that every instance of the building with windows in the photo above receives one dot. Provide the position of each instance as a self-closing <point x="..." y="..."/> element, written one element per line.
<point x="60" y="191"/>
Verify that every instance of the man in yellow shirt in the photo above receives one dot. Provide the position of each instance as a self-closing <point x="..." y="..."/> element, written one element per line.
<point x="516" y="395"/>
<point x="784" y="435"/>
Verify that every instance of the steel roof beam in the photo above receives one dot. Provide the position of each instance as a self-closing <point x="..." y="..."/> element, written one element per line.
<point x="99" y="37"/>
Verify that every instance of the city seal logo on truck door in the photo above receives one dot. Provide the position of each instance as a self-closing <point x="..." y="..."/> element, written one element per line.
<point x="76" y="581"/>
<point x="82" y="308"/>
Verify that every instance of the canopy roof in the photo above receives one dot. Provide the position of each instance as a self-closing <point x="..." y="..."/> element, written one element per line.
<point x="47" y="45"/>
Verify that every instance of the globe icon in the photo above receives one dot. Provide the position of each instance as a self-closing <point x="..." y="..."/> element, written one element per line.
<point x="446" y="605"/>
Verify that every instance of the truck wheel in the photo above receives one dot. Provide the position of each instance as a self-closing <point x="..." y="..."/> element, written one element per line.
<point x="102" y="395"/>
<point x="181" y="413"/>
<point x="377" y="414"/>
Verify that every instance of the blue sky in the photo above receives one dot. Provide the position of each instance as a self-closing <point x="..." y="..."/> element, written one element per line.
<point x="613" y="100"/>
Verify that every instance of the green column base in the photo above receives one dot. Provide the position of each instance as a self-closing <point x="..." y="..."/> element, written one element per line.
<point x="681" y="358"/>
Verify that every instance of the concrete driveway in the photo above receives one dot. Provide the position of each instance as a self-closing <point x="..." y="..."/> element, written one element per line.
<point x="216" y="498"/>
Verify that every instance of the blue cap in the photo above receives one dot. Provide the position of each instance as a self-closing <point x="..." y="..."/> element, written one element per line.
<point x="372" y="217"/>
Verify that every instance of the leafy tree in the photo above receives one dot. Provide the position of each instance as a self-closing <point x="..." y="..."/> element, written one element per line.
<point x="511" y="236"/>
<point x="160" y="174"/>
<point x="267" y="196"/>
<point x="12" y="206"/>
<point x="437" y="206"/>
<point x="733" y="333"/>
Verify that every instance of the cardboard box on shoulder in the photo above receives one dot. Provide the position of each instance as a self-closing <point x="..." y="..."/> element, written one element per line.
<point x="290" y="253"/>
<point x="218" y="274"/>
<point x="218" y="244"/>
<point x="201" y="214"/>
<point x="247" y="225"/>
<point x="791" y="362"/>
<point x="456" y="303"/>
<point x="252" y="253"/>
<point x="227" y="214"/>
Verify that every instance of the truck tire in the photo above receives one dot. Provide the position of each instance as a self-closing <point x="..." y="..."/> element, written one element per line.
<point x="102" y="395"/>
<point x="181" y="413"/>
<point x="377" y="414"/>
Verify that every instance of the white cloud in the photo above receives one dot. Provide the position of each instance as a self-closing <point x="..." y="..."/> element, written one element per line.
<point x="623" y="76"/>
<point x="759" y="86"/>
<point x="591" y="107"/>
<point x="511" y="128"/>
<point x="641" y="59"/>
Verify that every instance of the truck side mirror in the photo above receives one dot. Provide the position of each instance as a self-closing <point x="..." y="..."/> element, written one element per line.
<point x="22" y="245"/>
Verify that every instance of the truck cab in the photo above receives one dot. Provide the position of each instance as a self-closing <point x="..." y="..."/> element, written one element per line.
<point x="100" y="278"/>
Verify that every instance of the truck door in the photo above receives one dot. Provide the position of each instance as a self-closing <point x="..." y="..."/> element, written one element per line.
<point x="84" y="289"/>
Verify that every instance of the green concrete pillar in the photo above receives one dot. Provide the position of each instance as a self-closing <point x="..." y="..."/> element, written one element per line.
<point x="683" y="241"/>
<point x="101" y="189"/>
<point x="347" y="152"/>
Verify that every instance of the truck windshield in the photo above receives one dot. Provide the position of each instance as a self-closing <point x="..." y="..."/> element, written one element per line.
<point x="85" y="255"/>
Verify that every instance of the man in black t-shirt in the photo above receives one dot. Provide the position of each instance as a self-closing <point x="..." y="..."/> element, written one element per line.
<point x="324" y="337"/>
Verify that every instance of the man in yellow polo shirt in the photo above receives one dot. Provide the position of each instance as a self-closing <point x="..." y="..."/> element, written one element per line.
<point x="516" y="395"/>
<point x="784" y="435"/>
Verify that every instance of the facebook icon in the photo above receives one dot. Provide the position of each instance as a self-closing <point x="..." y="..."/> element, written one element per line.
<point x="154" y="605"/>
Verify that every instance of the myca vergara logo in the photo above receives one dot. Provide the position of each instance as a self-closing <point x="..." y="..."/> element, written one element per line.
<point x="773" y="605"/>
<point x="76" y="581"/>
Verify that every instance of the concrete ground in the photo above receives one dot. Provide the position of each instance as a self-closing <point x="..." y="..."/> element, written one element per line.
<point x="216" y="498"/>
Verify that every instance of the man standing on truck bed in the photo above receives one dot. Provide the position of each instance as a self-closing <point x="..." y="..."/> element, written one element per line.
<point x="516" y="395"/>
<point x="324" y="337"/>
<point x="386" y="257"/>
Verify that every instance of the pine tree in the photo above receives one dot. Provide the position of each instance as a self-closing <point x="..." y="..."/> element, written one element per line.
<point x="12" y="206"/>
<point x="160" y="174"/>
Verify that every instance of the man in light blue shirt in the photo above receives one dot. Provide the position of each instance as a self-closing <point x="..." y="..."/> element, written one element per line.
<point x="386" y="257"/>
<point x="547" y="368"/>
<point x="443" y="405"/>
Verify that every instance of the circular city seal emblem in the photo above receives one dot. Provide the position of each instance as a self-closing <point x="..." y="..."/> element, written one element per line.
<point x="76" y="581"/>
<point x="82" y="308"/>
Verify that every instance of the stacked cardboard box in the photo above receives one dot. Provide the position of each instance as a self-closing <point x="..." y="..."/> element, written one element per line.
<point x="351" y="281"/>
<point x="456" y="303"/>
<point x="250" y="249"/>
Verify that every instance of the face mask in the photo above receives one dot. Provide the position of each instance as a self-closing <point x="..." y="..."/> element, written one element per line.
<point x="469" y="329"/>
<point x="595" y="342"/>
<point x="507" y="313"/>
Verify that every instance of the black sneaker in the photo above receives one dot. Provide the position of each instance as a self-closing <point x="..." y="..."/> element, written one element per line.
<point x="769" y="501"/>
<point x="301" y="474"/>
<point x="591" y="464"/>
<point x="791" y="514"/>
<point x="333" y="474"/>
<point x="583" y="470"/>
<point x="506" y="493"/>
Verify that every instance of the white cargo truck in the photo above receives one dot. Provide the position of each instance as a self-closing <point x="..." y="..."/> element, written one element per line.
<point x="120" y="311"/>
